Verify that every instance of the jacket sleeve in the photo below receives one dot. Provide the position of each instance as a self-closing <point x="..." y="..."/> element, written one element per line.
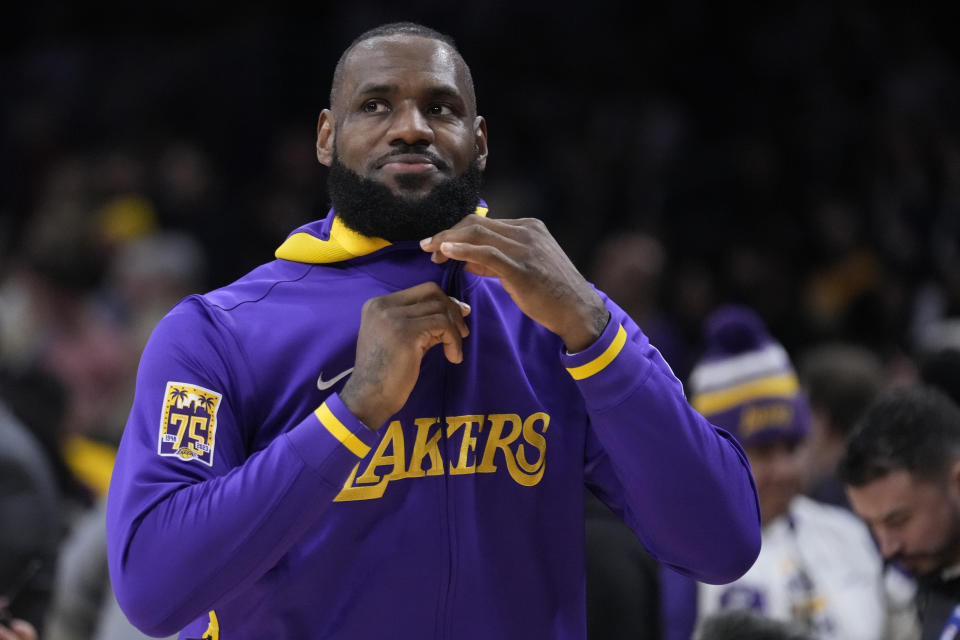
<point x="683" y="485"/>
<point x="185" y="532"/>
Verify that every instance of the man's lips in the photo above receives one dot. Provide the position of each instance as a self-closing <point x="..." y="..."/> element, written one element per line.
<point x="409" y="167"/>
<point x="409" y="163"/>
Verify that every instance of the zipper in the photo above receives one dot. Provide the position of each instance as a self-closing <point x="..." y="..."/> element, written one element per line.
<point x="451" y="285"/>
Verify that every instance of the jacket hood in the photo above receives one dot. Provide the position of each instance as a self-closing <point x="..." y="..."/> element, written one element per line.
<point x="330" y="240"/>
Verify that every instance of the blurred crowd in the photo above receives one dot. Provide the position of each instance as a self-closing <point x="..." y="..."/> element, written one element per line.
<point x="803" y="161"/>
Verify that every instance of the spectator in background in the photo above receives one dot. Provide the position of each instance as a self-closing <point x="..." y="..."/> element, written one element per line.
<point x="941" y="369"/>
<point x="749" y="625"/>
<point x="902" y="471"/>
<point x="29" y="531"/>
<point x="629" y="266"/>
<point x="84" y="606"/>
<point x="817" y="565"/>
<point x="840" y="381"/>
<point x="149" y="275"/>
<point x="37" y="399"/>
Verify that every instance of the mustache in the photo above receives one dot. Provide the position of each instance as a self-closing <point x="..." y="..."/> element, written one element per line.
<point x="407" y="150"/>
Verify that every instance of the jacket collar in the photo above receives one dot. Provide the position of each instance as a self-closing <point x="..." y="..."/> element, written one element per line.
<point x="329" y="240"/>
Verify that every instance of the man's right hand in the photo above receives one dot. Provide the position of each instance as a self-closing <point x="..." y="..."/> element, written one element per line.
<point x="396" y="330"/>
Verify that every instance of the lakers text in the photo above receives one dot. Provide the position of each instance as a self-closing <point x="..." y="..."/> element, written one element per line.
<point x="474" y="444"/>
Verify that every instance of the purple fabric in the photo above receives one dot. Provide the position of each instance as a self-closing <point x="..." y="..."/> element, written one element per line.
<point x="734" y="331"/>
<point x="678" y="605"/>
<point x="290" y="535"/>
<point x="794" y="425"/>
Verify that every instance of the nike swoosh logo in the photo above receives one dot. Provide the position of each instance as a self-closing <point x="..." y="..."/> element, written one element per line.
<point x="326" y="384"/>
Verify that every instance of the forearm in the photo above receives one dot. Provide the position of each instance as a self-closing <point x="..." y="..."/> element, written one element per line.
<point x="686" y="486"/>
<point x="202" y="542"/>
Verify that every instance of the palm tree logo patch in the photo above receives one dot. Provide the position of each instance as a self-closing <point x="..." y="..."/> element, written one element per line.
<point x="188" y="422"/>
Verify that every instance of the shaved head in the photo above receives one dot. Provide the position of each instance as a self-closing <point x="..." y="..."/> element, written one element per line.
<point x="402" y="29"/>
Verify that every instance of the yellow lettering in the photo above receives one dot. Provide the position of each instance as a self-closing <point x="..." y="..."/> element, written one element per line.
<point x="538" y="442"/>
<point x="467" y="445"/>
<point x="393" y="440"/>
<point x="503" y="434"/>
<point x="197" y="421"/>
<point x="181" y="419"/>
<point x="756" y="419"/>
<point x="424" y="446"/>
<point x="351" y="492"/>
<point x="496" y="441"/>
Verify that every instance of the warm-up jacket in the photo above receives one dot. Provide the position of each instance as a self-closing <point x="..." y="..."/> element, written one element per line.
<point x="247" y="502"/>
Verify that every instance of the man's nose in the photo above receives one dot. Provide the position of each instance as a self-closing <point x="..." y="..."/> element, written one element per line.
<point x="890" y="545"/>
<point x="410" y="126"/>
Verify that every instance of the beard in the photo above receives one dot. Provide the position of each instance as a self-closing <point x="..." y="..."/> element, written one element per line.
<point x="372" y="209"/>
<point x="927" y="565"/>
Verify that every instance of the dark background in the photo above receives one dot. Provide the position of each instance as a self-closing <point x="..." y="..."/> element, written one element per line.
<point x="802" y="158"/>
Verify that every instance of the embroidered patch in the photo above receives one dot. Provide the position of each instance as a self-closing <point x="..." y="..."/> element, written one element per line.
<point x="188" y="423"/>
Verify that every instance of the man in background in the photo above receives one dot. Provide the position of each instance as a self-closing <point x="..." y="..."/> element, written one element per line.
<point x="29" y="529"/>
<point x="817" y="567"/>
<point x="902" y="472"/>
<point x="840" y="381"/>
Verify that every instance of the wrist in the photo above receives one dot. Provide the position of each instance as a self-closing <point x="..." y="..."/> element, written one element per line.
<point x="364" y="407"/>
<point x="588" y="329"/>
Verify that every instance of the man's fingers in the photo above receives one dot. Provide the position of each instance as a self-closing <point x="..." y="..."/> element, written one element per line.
<point x="464" y="307"/>
<point x="396" y="330"/>
<point x="446" y="307"/>
<point x="481" y="260"/>
<point x="422" y="291"/>
<point x="424" y="299"/>
<point x="477" y="230"/>
<point x="452" y="349"/>
<point x="438" y="329"/>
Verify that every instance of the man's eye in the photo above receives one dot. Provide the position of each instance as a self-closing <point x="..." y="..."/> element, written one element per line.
<point x="374" y="106"/>
<point x="439" y="110"/>
<point x="898" y="521"/>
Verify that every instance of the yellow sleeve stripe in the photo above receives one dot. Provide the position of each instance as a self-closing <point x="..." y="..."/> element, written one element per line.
<point x="340" y="432"/>
<point x="601" y="361"/>
<point x="717" y="401"/>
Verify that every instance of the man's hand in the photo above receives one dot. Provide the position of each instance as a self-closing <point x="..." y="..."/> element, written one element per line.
<point x="533" y="269"/>
<point x="395" y="332"/>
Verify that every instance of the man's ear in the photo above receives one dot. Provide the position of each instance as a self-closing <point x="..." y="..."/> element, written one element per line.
<point x="480" y="133"/>
<point x="955" y="477"/>
<point x="325" y="135"/>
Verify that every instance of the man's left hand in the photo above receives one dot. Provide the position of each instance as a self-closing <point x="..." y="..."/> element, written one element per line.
<point x="532" y="268"/>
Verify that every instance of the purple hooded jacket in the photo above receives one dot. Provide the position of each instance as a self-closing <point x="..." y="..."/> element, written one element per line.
<point x="248" y="502"/>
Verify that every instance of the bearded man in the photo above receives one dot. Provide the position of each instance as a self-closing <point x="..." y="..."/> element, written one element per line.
<point x="902" y="473"/>
<point x="300" y="462"/>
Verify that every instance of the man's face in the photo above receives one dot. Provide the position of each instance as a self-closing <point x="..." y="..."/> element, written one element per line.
<point x="916" y="522"/>
<point x="778" y="471"/>
<point x="403" y="116"/>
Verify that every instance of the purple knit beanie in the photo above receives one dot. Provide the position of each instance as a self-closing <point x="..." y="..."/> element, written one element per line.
<point x="745" y="383"/>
